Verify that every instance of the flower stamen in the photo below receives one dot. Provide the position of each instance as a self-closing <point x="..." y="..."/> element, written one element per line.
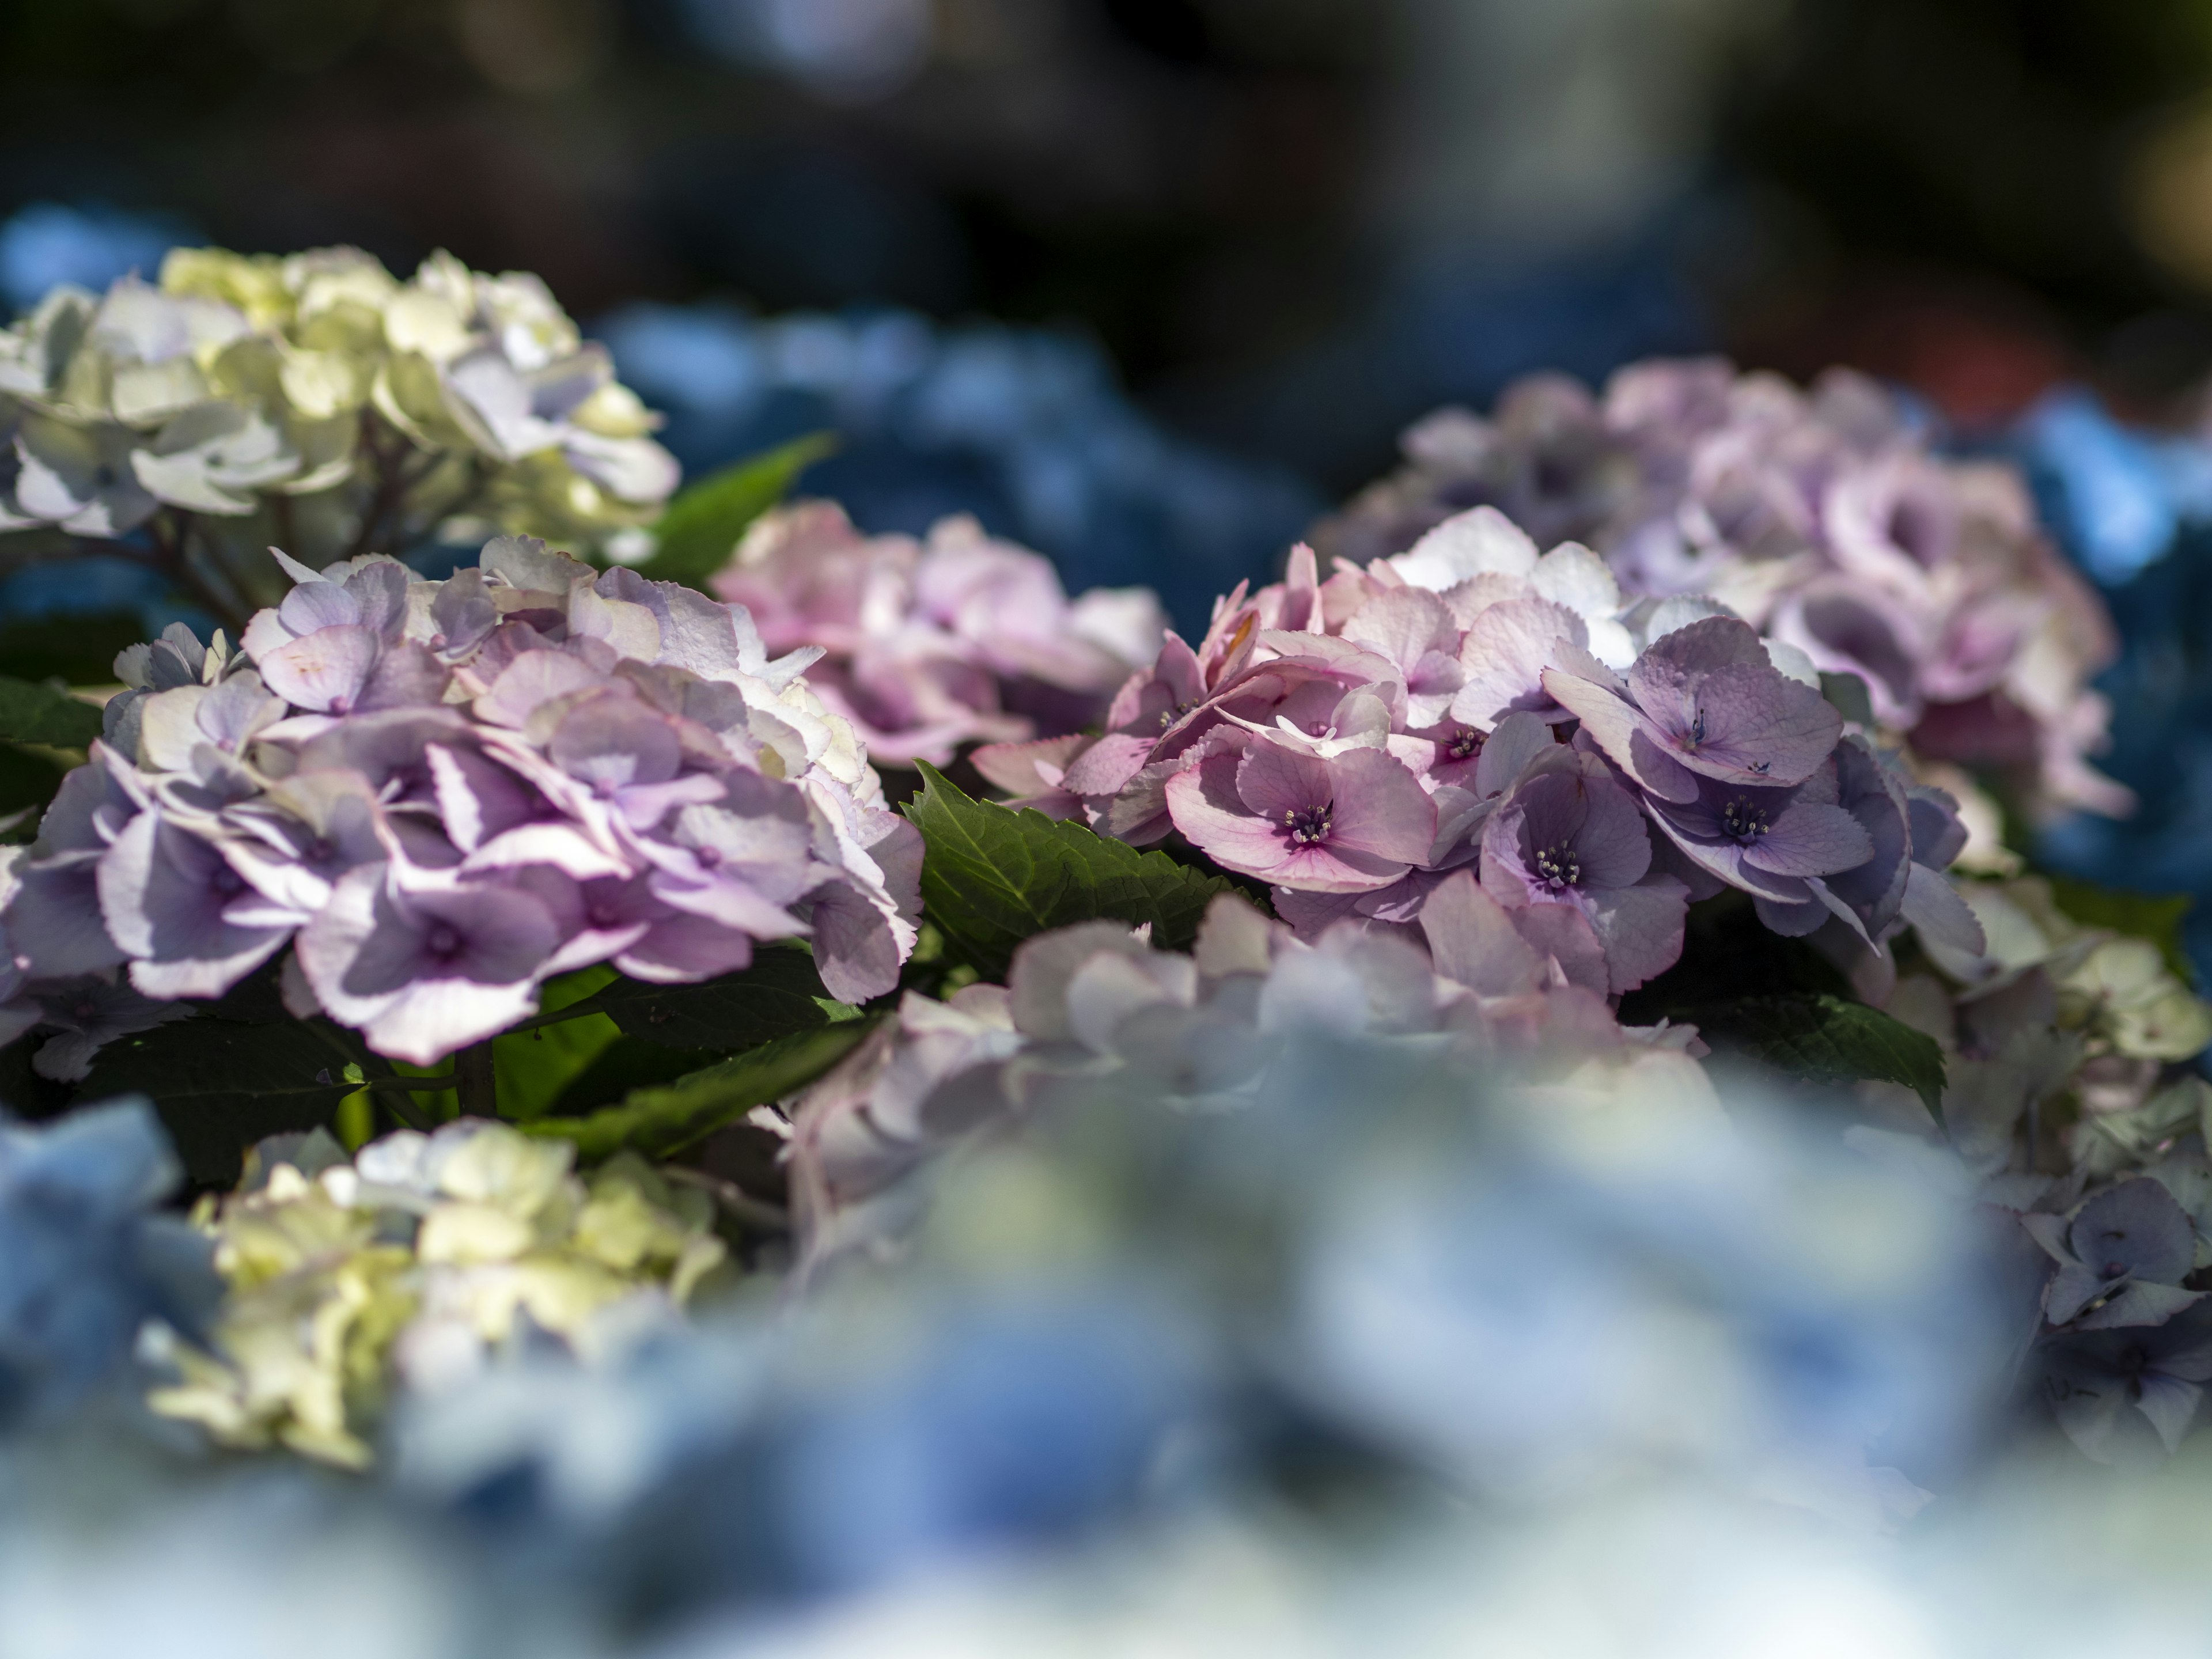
<point x="1558" y="865"/>
<point x="1743" y="819"/>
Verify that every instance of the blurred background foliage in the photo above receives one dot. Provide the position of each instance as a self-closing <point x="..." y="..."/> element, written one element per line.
<point x="1291" y="224"/>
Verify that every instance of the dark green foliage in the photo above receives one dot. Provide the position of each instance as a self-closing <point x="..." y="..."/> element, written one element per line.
<point x="28" y="779"/>
<point x="33" y="712"/>
<point x="79" y="649"/>
<point x="220" y="1086"/>
<point x="991" y="878"/>
<point x="625" y="1064"/>
<point x="658" y="1121"/>
<point x="1778" y="1003"/>
<point x="780" y="994"/>
<point x="1728" y="953"/>
<point x="1848" y="696"/>
<point x="1826" y="1039"/>
<point x="23" y="1092"/>
<point x="699" y="527"/>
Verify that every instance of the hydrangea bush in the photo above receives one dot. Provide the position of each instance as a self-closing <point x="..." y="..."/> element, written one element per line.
<point x="441" y="795"/>
<point x="1535" y="1015"/>
<point x="931" y="647"/>
<point x="1825" y="517"/>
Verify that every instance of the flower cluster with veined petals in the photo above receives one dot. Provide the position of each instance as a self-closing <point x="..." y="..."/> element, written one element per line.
<point x="254" y="391"/>
<point x="1823" y="517"/>
<point x="929" y="645"/>
<point x="1097" y="1007"/>
<point x="1353" y="742"/>
<point x="442" y="793"/>
<point x="411" y="1262"/>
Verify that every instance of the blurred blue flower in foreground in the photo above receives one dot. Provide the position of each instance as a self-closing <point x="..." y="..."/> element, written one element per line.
<point x="1024" y="427"/>
<point x="1382" y="1360"/>
<point x="1127" y="1314"/>
<point x="83" y="1263"/>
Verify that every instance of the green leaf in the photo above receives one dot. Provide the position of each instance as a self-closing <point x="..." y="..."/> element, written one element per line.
<point x="31" y="712"/>
<point x="1727" y="949"/>
<point x="2155" y="917"/>
<point x="29" y="778"/>
<point x="1826" y="1039"/>
<point x="533" y="1068"/>
<point x="1848" y="696"/>
<point x="658" y="1121"/>
<point x="625" y="1064"/>
<point x="780" y="994"/>
<point x="699" y="528"/>
<point x="82" y="652"/>
<point x="991" y="878"/>
<point x="220" y="1086"/>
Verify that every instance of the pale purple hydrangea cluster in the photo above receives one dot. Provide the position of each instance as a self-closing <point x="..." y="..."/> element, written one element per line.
<point x="1823" y="518"/>
<point x="1353" y="743"/>
<point x="1095" y="1011"/>
<point x="441" y="795"/>
<point x="934" y="644"/>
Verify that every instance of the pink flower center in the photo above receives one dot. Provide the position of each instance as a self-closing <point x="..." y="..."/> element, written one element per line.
<point x="1307" y="826"/>
<point x="1467" y="742"/>
<point x="442" y="941"/>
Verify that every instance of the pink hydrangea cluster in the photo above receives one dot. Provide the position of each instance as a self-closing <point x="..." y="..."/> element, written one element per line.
<point x="932" y="644"/>
<point x="1821" y="516"/>
<point x="1356" y="742"/>
<point x="440" y="794"/>
<point x="1095" y="1011"/>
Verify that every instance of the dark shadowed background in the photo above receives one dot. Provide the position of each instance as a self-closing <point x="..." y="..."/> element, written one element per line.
<point x="1291" y="224"/>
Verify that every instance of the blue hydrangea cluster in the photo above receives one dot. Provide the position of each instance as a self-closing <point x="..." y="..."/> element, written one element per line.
<point x="1464" y="1311"/>
<point x="2134" y="509"/>
<point x="1388" y="1330"/>
<point x="1024" y="427"/>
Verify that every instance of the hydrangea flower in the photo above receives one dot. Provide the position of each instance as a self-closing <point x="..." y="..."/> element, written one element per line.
<point x="1821" y="516"/>
<point x="1095" y="1006"/>
<point x="2121" y="1259"/>
<point x="317" y="400"/>
<point x="1351" y="742"/>
<point x="2092" y="1378"/>
<point x="1567" y="835"/>
<point x="446" y="793"/>
<point x="412" y="1262"/>
<point x="1704" y="701"/>
<point x="2118" y="992"/>
<point x="931" y="645"/>
<point x="1277" y="810"/>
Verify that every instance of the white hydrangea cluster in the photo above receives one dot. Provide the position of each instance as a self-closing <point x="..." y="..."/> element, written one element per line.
<point x="317" y="401"/>
<point x="412" y="1261"/>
